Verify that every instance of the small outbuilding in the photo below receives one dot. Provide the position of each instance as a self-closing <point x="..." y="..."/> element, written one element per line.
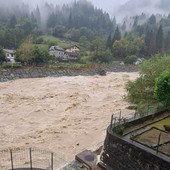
<point x="10" y="55"/>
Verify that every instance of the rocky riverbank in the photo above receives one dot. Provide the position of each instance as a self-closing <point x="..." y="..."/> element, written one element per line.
<point x="7" y="74"/>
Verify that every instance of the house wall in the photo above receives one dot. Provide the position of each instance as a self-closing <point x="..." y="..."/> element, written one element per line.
<point x="10" y="57"/>
<point x="73" y="49"/>
<point x="57" y="54"/>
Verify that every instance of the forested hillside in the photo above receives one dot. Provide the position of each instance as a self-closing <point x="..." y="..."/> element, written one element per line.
<point x="100" y="38"/>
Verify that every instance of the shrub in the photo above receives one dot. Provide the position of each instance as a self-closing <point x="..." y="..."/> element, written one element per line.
<point x="162" y="88"/>
<point x="130" y="59"/>
<point x="142" y="89"/>
<point x="84" y="60"/>
<point x="119" y="129"/>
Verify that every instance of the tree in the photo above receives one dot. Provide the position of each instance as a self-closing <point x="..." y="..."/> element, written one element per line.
<point x="114" y="23"/>
<point x="107" y="56"/>
<point x="152" y="20"/>
<point x="75" y="34"/>
<point x="109" y="41"/>
<point x="117" y="35"/>
<point x="33" y="19"/>
<point x="9" y="38"/>
<point x="135" y="24"/>
<point x="27" y="25"/>
<point x="97" y="48"/>
<point x="88" y="33"/>
<point x="2" y="56"/>
<point x="51" y="22"/>
<point x="124" y="27"/>
<point x="38" y="15"/>
<point x="26" y="52"/>
<point x="59" y="31"/>
<point x="167" y="42"/>
<point x="162" y="88"/>
<point x="152" y="43"/>
<point x="130" y="59"/>
<point x="70" y="21"/>
<point x="159" y="40"/>
<point x="98" y="51"/>
<point x="141" y="91"/>
<point x="120" y="48"/>
<point x="41" y="56"/>
<point x="12" y="21"/>
<point x="84" y="45"/>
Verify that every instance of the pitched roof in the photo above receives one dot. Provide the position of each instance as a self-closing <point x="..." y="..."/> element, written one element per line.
<point x="56" y="48"/>
<point x="9" y="51"/>
<point x="70" y="47"/>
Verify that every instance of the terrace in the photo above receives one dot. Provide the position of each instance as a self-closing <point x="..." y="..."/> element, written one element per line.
<point x="138" y="143"/>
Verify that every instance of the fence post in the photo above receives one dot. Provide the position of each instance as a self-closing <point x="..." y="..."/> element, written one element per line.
<point x="12" y="165"/>
<point x="158" y="143"/>
<point x="111" y="122"/>
<point x="148" y="109"/>
<point x="120" y="117"/>
<point x="114" y="121"/>
<point x="52" y="161"/>
<point x="135" y="115"/>
<point x="30" y="159"/>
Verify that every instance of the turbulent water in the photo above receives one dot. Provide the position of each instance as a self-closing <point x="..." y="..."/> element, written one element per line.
<point x="66" y="114"/>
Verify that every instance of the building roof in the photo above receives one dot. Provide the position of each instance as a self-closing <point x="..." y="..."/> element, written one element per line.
<point x="56" y="48"/>
<point x="71" y="47"/>
<point x="9" y="51"/>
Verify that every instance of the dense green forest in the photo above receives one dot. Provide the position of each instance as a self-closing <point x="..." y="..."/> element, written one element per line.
<point x="100" y="37"/>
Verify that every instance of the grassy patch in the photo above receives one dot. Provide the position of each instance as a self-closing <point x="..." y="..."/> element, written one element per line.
<point x="42" y="46"/>
<point x="165" y="149"/>
<point x="50" y="39"/>
<point x="47" y="39"/>
<point x="150" y="137"/>
<point x="11" y="65"/>
<point x="160" y="124"/>
<point x="72" y="66"/>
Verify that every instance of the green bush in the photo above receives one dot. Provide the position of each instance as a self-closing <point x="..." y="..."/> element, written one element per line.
<point x="84" y="60"/>
<point x="119" y="129"/>
<point x="142" y="89"/>
<point x="162" y="88"/>
<point x="130" y="59"/>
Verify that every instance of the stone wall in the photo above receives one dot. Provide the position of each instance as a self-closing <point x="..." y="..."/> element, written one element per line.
<point x="7" y="74"/>
<point x="123" y="154"/>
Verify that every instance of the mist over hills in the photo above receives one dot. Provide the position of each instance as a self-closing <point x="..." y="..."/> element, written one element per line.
<point x="136" y="7"/>
<point x="120" y="9"/>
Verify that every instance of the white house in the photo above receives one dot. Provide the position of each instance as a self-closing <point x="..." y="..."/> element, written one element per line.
<point x="10" y="55"/>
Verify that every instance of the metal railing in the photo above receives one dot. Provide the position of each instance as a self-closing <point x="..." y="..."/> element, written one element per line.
<point x="29" y="159"/>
